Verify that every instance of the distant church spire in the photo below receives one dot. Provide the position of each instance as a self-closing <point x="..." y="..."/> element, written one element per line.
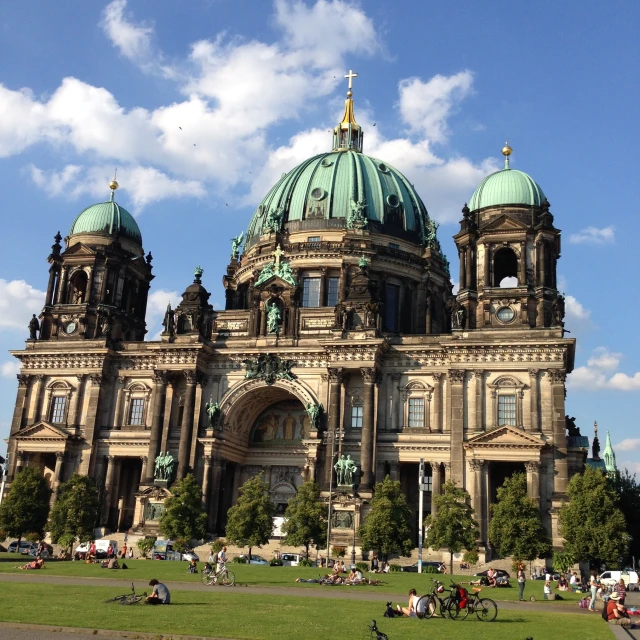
<point x="609" y="456"/>
<point x="348" y="134"/>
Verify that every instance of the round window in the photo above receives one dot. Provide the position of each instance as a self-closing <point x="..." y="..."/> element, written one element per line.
<point x="326" y="162"/>
<point x="318" y="193"/>
<point x="383" y="167"/>
<point x="506" y="314"/>
<point x="393" y="200"/>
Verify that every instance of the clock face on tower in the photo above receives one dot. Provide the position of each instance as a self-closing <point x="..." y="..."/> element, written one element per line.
<point x="505" y="314"/>
<point x="70" y="327"/>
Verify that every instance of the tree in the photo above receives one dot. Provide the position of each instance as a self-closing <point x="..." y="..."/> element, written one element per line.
<point x="75" y="511"/>
<point x="184" y="516"/>
<point x="145" y="545"/>
<point x="628" y="491"/>
<point x="516" y="528"/>
<point x="250" y="520"/>
<point x="26" y="507"/>
<point x="453" y="526"/>
<point x="591" y="523"/>
<point x="305" y="518"/>
<point x="387" y="526"/>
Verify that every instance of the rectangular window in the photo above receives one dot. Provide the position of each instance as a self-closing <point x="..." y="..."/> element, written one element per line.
<point x="416" y="412"/>
<point x="332" y="291"/>
<point x="428" y="483"/>
<point x="311" y="292"/>
<point x="356" y="417"/>
<point x="507" y="410"/>
<point x="391" y="307"/>
<point x="58" y="406"/>
<point x="313" y="239"/>
<point x="136" y="413"/>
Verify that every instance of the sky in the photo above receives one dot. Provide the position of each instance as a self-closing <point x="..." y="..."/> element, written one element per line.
<point x="202" y="105"/>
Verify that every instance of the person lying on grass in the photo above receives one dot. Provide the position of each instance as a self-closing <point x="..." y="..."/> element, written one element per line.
<point x="160" y="593"/>
<point x="38" y="563"/>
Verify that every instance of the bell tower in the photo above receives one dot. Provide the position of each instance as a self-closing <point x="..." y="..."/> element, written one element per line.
<point x="508" y="249"/>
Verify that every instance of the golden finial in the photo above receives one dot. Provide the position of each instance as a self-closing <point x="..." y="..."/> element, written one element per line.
<point x="113" y="185"/>
<point x="507" y="150"/>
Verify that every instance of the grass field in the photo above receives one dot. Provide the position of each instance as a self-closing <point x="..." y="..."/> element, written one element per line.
<point x="266" y="576"/>
<point x="230" y="613"/>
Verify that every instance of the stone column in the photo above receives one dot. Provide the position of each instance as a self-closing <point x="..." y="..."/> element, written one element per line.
<point x="206" y="473"/>
<point x="436" y="418"/>
<point x="447" y="471"/>
<point x="463" y="268"/>
<point x="534" y="393"/>
<point x="478" y="499"/>
<point x="239" y="477"/>
<point x="74" y="418"/>
<point x="323" y="286"/>
<point x="333" y="418"/>
<point x="522" y="275"/>
<point x="435" y="485"/>
<point x="168" y="406"/>
<point x="396" y="415"/>
<point x="478" y="375"/>
<point x="34" y="400"/>
<point x="143" y="470"/>
<point x="197" y="412"/>
<point x="533" y="479"/>
<point x="21" y="403"/>
<point x="469" y="267"/>
<point x="487" y="265"/>
<point x="366" y="446"/>
<point x="57" y="474"/>
<point x="50" y="285"/>
<point x="187" y="424"/>
<point x="456" y="381"/>
<point x="108" y="490"/>
<point x="213" y="499"/>
<point x="557" y="379"/>
<point x="393" y="470"/>
<point x="19" y="461"/>
<point x="160" y="379"/>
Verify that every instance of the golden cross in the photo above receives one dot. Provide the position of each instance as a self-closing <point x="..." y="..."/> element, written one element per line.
<point x="351" y="76"/>
<point x="278" y="253"/>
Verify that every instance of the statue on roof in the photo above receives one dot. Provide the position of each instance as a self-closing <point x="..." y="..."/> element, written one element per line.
<point x="430" y="238"/>
<point x="273" y="318"/>
<point x="286" y="273"/>
<point x="572" y="430"/>
<point x="34" y="327"/>
<point x="273" y="221"/>
<point x="235" y="246"/>
<point x="268" y="271"/>
<point x="356" y="218"/>
<point x="213" y="410"/>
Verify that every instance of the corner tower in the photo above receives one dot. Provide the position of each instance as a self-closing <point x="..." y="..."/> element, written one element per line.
<point x="508" y="249"/>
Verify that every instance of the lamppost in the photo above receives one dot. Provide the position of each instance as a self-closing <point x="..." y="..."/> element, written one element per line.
<point x="330" y="437"/>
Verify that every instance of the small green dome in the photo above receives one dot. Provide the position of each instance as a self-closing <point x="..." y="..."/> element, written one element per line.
<point x="508" y="186"/>
<point x="107" y="218"/>
<point x="323" y="191"/>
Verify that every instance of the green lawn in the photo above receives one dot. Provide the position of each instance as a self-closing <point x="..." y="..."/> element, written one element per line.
<point x="266" y="576"/>
<point x="230" y="613"/>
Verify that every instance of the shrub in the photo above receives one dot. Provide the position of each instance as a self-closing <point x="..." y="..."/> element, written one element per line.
<point x="180" y="545"/>
<point x="275" y="562"/>
<point x="66" y="541"/>
<point x="306" y="563"/>
<point x="562" y="560"/>
<point x="339" y="552"/>
<point x="3" y="535"/>
<point x="471" y="556"/>
<point x="145" y="545"/>
<point x="239" y="560"/>
<point x="395" y="567"/>
<point x="217" y="545"/>
<point x="363" y="566"/>
<point x="32" y="537"/>
<point x="429" y="568"/>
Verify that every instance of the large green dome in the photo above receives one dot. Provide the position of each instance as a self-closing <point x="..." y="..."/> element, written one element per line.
<point x="323" y="190"/>
<point x="107" y="218"/>
<point x="508" y="186"/>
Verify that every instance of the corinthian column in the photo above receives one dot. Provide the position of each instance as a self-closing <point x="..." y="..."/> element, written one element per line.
<point x="160" y="379"/>
<point x="187" y="424"/>
<point x="366" y="445"/>
<point x="557" y="378"/>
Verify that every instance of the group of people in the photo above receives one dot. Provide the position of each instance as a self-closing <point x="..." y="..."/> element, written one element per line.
<point x="379" y="567"/>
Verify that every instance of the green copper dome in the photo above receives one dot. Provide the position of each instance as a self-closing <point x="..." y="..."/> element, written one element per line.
<point x="508" y="186"/>
<point x="107" y="218"/>
<point x="343" y="189"/>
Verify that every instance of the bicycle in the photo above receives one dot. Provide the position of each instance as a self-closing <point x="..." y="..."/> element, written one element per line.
<point x="486" y="609"/>
<point x="224" y="577"/>
<point x="127" y="598"/>
<point x="375" y="633"/>
<point x="427" y="603"/>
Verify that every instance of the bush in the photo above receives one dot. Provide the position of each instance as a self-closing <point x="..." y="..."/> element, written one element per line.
<point x="562" y="561"/>
<point x="338" y="552"/>
<point x="471" y="556"/>
<point x="363" y="566"/>
<point x="306" y="563"/>
<point x="180" y="545"/>
<point x="239" y="560"/>
<point x="217" y="545"/>
<point x="429" y="568"/>
<point x="395" y="567"/>
<point x="32" y="537"/>
<point x="275" y="562"/>
<point x="145" y="545"/>
<point x="66" y="541"/>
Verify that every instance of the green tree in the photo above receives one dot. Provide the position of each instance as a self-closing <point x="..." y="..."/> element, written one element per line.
<point x="26" y="507"/>
<point x="627" y="489"/>
<point x="250" y="520"/>
<point x="184" y="516"/>
<point x="145" y="545"/>
<point x="305" y="518"/>
<point x="593" y="526"/>
<point x="75" y="511"/>
<point x="453" y="526"/>
<point x="516" y="528"/>
<point x="387" y="525"/>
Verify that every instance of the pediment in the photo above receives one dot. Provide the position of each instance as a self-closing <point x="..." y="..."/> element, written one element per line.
<point x="79" y="249"/>
<point x="154" y="492"/>
<point x="505" y="223"/>
<point x="43" y="431"/>
<point x="505" y="436"/>
<point x="275" y="280"/>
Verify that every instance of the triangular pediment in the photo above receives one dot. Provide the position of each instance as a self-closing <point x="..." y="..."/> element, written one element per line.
<point x="274" y="280"/>
<point x="154" y="492"/>
<point x="505" y="223"/>
<point x="43" y="431"/>
<point x="505" y="437"/>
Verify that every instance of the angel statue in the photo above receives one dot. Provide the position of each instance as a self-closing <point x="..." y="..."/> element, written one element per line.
<point x="356" y="218"/>
<point x="273" y="318"/>
<point x="213" y="410"/>
<point x="273" y="221"/>
<point x="235" y="246"/>
<point x="314" y="411"/>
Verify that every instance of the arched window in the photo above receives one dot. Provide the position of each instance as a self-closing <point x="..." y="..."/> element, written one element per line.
<point x="59" y="393"/>
<point x="417" y="398"/>
<point x="78" y="287"/>
<point x="507" y="394"/>
<point x="136" y="404"/>
<point x="505" y="266"/>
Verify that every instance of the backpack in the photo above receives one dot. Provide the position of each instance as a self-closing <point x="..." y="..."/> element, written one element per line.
<point x="605" y="615"/>
<point x="463" y="597"/>
<point x="390" y="612"/>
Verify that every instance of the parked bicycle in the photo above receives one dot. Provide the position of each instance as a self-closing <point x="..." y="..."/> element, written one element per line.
<point x="375" y="633"/>
<point x="128" y="598"/>
<point x="462" y="603"/>
<point x="428" y="604"/>
<point x="224" y="577"/>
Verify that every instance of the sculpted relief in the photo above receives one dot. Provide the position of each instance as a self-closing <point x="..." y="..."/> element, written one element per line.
<point x="283" y="421"/>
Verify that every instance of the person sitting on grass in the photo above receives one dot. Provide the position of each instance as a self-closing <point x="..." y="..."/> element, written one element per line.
<point x="160" y="593"/>
<point x="38" y="563"/>
<point x="616" y="612"/>
<point x="193" y="566"/>
<point x="413" y="609"/>
<point x="562" y="584"/>
<point x="111" y="563"/>
<point x="492" y="578"/>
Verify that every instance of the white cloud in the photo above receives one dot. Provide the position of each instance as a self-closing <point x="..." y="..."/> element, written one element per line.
<point x="18" y="301"/>
<point x="597" y="374"/>
<point x="575" y="311"/>
<point x="133" y="41"/>
<point x="426" y="106"/>
<point x="631" y="467"/>
<point x="157" y="307"/>
<point x="10" y="369"/>
<point x="593" y="235"/>
<point x="629" y="444"/>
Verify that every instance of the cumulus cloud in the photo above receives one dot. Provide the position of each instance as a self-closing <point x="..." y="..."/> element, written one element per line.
<point x="593" y="235"/>
<point x="10" y="369"/>
<point x="156" y="308"/>
<point x="133" y="41"/>
<point x="18" y="301"/>
<point x="629" y="444"/>
<point x="598" y="373"/>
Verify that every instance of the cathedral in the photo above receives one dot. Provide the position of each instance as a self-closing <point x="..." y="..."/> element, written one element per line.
<point x="341" y="336"/>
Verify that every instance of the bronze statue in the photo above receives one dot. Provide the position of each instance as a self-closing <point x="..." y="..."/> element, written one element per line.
<point x="235" y="246"/>
<point x="273" y="318"/>
<point x="315" y="412"/>
<point x="213" y="410"/>
<point x="34" y="327"/>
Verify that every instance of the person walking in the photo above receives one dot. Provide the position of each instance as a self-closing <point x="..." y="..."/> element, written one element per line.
<point x="593" y="586"/>
<point x="521" y="581"/>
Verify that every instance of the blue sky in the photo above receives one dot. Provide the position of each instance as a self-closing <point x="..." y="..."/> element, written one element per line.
<point x="89" y="86"/>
